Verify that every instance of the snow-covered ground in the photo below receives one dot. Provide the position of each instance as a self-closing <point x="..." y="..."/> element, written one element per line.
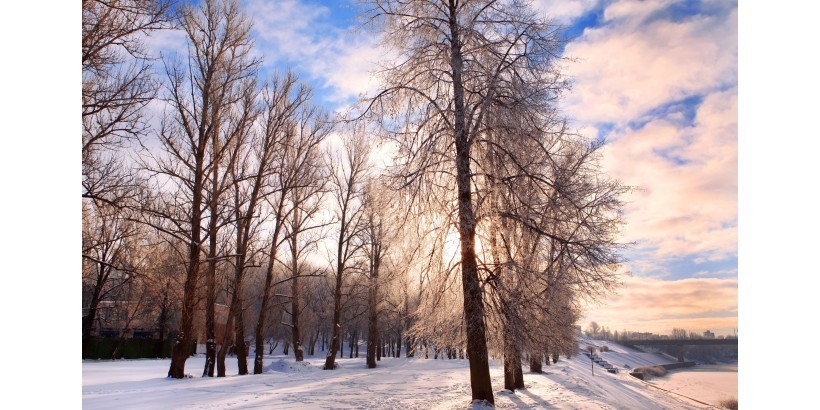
<point x="708" y="383"/>
<point x="395" y="384"/>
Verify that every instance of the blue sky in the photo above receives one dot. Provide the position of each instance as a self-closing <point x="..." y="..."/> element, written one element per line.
<point x="657" y="79"/>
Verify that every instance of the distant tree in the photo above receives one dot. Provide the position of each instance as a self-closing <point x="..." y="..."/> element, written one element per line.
<point x="285" y="101"/>
<point x="594" y="328"/>
<point x="302" y="225"/>
<point x="348" y="173"/>
<point x="110" y="255"/>
<point x="679" y="333"/>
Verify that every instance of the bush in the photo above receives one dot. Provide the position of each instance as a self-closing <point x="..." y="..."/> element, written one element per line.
<point x="655" y="371"/>
<point x="650" y="371"/>
<point x="730" y="404"/>
<point x="604" y="348"/>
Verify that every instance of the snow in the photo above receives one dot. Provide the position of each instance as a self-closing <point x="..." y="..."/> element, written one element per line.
<point x="402" y="383"/>
<point x="709" y="383"/>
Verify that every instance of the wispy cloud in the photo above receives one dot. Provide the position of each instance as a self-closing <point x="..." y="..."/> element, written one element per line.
<point x="564" y="11"/>
<point x="639" y="59"/>
<point x="304" y="36"/>
<point x="687" y="202"/>
<point x="653" y="305"/>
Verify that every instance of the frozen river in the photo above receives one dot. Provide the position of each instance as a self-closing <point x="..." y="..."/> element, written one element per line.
<point x="708" y="383"/>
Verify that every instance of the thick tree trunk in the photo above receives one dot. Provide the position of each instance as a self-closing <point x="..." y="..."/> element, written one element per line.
<point x="227" y="340"/>
<point x="336" y="339"/>
<point x="376" y="347"/>
<point x="535" y="363"/>
<point x="210" y="274"/>
<point x="241" y="347"/>
<point x="182" y="346"/>
<point x="480" y="382"/>
<point x="210" y="314"/>
<point x="372" y="325"/>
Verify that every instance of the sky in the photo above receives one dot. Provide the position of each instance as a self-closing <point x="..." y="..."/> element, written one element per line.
<point x="656" y="79"/>
<point x="778" y="145"/>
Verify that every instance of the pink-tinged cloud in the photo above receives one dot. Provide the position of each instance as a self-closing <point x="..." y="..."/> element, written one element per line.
<point x="687" y="201"/>
<point x="658" y="306"/>
<point x="632" y="64"/>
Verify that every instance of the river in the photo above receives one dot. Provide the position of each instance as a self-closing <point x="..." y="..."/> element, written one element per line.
<point x="709" y="383"/>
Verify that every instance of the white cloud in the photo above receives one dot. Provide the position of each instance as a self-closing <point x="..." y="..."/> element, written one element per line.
<point x="687" y="202"/>
<point x="300" y="34"/>
<point x="564" y="11"/>
<point x="632" y="64"/>
<point x="631" y="72"/>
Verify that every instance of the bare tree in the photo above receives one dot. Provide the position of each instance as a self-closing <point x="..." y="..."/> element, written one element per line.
<point x="117" y="85"/>
<point x="380" y="225"/>
<point x="348" y="171"/>
<point x="283" y="99"/>
<point x="110" y="247"/>
<point x="199" y="96"/>
<point x="305" y="197"/>
<point x="457" y="57"/>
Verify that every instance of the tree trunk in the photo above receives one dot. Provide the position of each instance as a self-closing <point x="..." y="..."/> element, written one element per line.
<point x="372" y="327"/>
<point x="241" y="347"/>
<point x="480" y="382"/>
<point x="298" y="353"/>
<point x="182" y="345"/>
<point x="535" y="363"/>
<point x="258" y="360"/>
<point x="210" y="274"/>
<point x="336" y="339"/>
<point x="226" y="342"/>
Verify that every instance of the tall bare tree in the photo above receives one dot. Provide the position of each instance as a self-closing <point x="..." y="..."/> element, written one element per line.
<point x="200" y="95"/>
<point x="348" y="173"/>
<point x="283" y="101"/>
<point x="456" y="59"/>
<point x="305" y="197"/>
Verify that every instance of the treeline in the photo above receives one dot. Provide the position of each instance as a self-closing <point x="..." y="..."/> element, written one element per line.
<point x="242" y="210"/>
<point x="596" y="331"/>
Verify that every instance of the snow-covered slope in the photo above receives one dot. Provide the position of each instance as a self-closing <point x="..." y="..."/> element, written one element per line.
<point x="395" y="384"/>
